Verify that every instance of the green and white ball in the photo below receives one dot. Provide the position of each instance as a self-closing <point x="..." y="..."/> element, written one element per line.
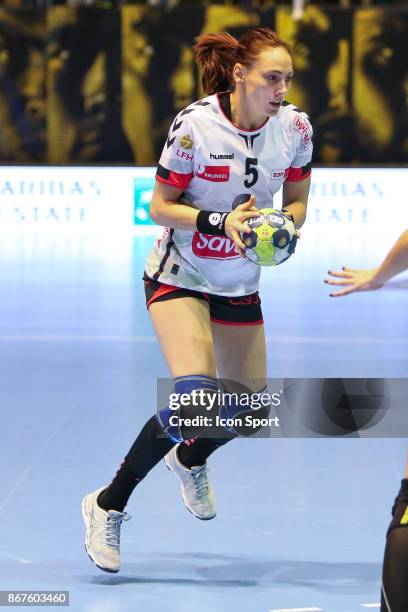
<point x="272" y="239"/>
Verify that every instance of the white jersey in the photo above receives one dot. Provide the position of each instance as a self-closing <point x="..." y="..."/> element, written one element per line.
<point x="213" y="160"/>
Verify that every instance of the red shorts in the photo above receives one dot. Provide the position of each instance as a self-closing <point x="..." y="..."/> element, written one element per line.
<point x="242" y="310"/>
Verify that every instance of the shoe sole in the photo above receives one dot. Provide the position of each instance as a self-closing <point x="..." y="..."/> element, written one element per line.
<point x="201" y="518"/>
<point x="87" y="523"/>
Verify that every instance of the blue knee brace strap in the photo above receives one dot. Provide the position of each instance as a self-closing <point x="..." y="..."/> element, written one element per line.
<point x="182" y="385"/>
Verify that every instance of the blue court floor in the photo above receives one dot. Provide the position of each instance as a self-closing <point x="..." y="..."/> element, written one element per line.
<point x="301" y="522"/>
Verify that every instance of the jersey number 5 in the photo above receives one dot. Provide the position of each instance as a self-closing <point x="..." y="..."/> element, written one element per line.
<point x="251" y="171"/>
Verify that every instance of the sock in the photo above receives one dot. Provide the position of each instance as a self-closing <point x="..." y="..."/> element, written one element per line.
<point x="394" y="596"/>
<point x="196" y="451"/>
<point x="149" y="447"/>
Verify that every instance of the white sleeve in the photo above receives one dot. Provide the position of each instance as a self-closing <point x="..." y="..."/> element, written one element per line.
<point x="176" y="165"/>
<point x="300" y="167"/>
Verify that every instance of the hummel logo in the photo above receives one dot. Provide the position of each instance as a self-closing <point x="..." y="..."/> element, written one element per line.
<point x="220" y="156"/>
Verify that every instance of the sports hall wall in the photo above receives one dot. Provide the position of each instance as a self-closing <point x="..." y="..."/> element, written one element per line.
<point x="91" y="85"/>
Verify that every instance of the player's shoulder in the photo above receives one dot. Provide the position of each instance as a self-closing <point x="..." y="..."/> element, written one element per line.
<point x="198" y="112"/>
<point x="191" y="124"/>
<point x="291" y="116"/>
<point x="296" y="124"/>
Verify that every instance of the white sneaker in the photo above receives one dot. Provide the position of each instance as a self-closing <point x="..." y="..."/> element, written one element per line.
<point x="102" y="536"/>
<point x="197" y="493"/>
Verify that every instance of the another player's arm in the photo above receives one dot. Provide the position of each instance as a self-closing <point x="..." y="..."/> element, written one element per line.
<point x="396" y="261"/>
<point x="165" y="210"/>
<point x="294" y="199"/>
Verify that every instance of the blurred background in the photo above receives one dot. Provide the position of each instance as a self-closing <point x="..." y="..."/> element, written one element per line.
<point x="99" y="82"/>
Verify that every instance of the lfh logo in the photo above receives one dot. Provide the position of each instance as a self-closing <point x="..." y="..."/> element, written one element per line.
<point x="249" y="140"/>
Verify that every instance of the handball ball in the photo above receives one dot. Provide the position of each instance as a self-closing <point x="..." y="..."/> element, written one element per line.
<point x="272" y="238"/>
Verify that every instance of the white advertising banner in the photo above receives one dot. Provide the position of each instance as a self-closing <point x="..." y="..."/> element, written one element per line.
<point x="88" y="199"/>
<point x="67" y="198"/>
<point x="357" y="197"/>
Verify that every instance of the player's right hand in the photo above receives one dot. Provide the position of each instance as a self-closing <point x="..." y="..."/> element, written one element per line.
<point x="236" y="223"/>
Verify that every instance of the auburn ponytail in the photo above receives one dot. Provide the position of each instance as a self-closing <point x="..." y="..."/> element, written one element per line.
<point x="215" y="54"/>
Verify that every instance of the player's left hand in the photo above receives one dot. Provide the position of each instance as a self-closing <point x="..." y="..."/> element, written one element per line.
<point x="353" y="280"/>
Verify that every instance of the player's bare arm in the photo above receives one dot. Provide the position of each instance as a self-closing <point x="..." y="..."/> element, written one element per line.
<point x="165" y="210"/>
<point x="294" y="199"/>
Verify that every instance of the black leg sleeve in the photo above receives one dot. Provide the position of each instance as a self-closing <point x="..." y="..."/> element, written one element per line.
<point x="150" y="446"/>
